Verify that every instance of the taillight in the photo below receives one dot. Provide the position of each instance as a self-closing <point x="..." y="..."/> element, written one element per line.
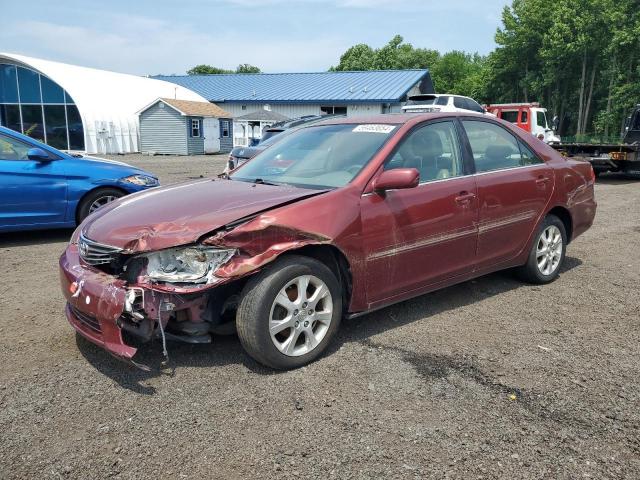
<point x="592" y="174"/>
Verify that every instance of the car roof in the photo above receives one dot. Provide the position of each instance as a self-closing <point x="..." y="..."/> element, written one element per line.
<point x="397" y="118"/>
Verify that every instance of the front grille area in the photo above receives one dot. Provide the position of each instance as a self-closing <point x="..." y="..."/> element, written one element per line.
<point x="95" y="253"/>
<point x="87" y="320"/>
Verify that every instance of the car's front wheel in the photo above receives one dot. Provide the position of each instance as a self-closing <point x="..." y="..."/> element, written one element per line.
<point x="96" y="199"/>
<point x="547" y="252"/>
<point x="289" y="312"/>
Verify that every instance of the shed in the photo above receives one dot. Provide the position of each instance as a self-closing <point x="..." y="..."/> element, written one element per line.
<point x="248" y="128"/>
<point x="183" y="127"/>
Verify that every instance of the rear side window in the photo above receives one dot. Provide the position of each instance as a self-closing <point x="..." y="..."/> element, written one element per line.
<point x="442" y="101"/>
<point x="528" y="157"/>
<point x="494" y="148"/>
<point x="459" y="102"/>
<point x="510" y="116"/>
<point x="12" y="149"/>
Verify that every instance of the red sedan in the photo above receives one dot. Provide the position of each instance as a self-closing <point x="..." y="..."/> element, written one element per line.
<point x="336" y="220"/>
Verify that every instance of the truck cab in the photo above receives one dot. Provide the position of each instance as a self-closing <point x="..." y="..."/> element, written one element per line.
<point x="528" y="116"/>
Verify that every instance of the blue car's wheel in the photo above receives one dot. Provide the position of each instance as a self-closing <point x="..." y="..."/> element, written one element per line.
<point x="96" y="199"/>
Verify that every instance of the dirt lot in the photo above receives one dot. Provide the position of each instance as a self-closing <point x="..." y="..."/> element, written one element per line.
<point x="488" y="379"/>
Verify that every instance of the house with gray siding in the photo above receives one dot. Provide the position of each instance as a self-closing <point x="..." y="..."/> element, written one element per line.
<point x="181" y="127"/>
<point x="298" y="94"/>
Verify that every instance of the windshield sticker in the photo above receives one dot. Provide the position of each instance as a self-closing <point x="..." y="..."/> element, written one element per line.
<point x="374" y="128"/>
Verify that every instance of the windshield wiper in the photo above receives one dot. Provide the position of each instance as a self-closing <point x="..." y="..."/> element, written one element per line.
<point x="263" y="182"/>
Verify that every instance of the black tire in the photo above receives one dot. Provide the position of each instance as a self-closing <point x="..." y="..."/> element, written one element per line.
<point x="252" y="317"/>
<point x="530" y="272"/>
<point x="88" y="200"/>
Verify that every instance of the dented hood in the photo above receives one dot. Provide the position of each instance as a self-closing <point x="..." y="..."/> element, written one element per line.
<point x="179" y="214"/>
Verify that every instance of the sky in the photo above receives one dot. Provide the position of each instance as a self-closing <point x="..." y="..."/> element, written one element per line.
<point x="147" y="37"/>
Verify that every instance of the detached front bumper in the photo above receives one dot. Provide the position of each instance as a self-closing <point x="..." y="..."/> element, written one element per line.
<point x="95" y="302"/>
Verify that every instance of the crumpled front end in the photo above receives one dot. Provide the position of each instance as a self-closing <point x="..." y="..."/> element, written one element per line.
<point x="95" y="302"/>
<point x="113" y="302"/>
<point x="115" y="314"/>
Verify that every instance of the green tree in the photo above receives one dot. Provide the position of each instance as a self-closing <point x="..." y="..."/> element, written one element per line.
<point x="460" y="73"/>
<point x="210" y="70"/>
<point x="246" y="68"/>
<point x="207" y="70"/>
<point x="395" y="55"/>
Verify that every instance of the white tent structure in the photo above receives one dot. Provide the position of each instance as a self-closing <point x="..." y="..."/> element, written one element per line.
<point x="107" y="102"/>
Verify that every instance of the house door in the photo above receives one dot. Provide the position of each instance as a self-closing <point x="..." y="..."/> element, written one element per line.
<point x="211" y="131"/>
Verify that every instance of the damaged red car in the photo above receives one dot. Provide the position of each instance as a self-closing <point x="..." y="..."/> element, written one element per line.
<point x="336" y="220"/>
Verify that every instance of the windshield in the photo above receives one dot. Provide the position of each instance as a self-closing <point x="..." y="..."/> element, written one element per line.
<point x="326" y="156"/>
<point x="541" y="119"/>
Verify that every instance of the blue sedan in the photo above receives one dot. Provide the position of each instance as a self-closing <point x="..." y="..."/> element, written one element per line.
<point x="41" y="187"/>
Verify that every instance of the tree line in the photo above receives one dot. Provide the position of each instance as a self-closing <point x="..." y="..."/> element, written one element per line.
<point x="578" y="58"/>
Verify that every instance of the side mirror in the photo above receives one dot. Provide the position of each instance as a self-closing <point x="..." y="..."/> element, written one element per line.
<point x="397" y="178"/>
<point x="38" y="154"/>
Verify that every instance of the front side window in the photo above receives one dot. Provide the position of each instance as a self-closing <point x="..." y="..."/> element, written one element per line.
<point x="459" y="102"/>
<point x="524" y="117"/>
<point x="433" y="150"/>
<point x="12" y="149"/>
<point x="493" y="147"/>
<point x="324" y="156"/>
<point x="195" y="128"/>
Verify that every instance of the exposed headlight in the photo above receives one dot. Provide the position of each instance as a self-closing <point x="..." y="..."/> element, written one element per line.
<point x="186" y="264"/>
<point x="144" y="180"/>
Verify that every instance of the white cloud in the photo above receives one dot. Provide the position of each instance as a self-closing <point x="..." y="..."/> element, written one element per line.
<point x="143" y="45"/>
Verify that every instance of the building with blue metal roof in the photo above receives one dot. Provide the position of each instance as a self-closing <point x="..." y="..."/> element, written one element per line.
<point x="298" y="94"/>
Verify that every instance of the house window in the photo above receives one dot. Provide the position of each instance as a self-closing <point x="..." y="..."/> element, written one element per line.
<point x="244" y="107"/>
<point x="333" y="110"/>
<point x="195" y="128"/>
<point x="225" y="128"/>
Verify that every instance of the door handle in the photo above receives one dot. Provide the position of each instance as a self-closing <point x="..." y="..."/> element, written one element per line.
<point x="465" y="198"/>
<point x="542" y="180"/>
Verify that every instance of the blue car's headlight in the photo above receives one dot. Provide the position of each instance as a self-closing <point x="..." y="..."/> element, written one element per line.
<point x="142" y="180"/>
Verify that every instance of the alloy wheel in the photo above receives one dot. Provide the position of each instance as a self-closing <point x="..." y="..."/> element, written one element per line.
<point x="549" y="250"/>
<point x="300" y="315"/>
<point x="100" y="202"/>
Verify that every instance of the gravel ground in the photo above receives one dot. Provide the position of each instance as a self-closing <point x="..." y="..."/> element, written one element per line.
<point x="488" y="379"/>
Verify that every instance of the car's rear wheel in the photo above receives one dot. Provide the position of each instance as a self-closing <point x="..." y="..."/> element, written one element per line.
<point x="96" y="199"/>
<point x="289" y="312"/>
<point x="547" y="252"/>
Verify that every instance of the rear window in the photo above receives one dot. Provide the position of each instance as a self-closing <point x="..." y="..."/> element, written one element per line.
<point x="422" y="100"/>
<point x="510" y="116"/>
